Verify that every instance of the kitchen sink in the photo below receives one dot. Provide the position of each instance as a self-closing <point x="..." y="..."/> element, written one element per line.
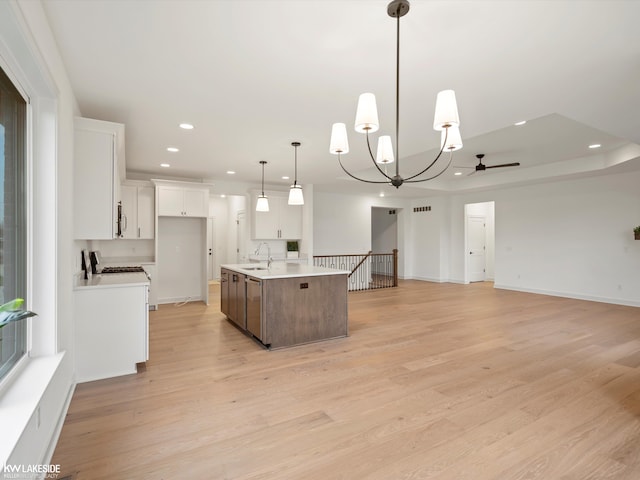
<point x="255" y="268"/>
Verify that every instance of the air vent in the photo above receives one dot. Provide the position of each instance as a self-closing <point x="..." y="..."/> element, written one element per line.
<point x="422" y="209"/>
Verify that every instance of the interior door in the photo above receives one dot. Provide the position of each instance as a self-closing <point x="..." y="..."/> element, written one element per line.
<point x="241" y="237"/>
<point x="476" y="248"/>
<point x="212" y="268"/>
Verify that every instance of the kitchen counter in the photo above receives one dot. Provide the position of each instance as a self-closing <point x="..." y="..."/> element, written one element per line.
<point x="112" y="280"/>
<point x="282" y="270"/>
<point x="287" y="304"/>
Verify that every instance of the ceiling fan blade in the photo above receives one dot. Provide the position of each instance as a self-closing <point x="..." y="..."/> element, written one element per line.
<point x="515" y="164"/>
<point x="462" y="166"/>
<point x="471" y="173"/>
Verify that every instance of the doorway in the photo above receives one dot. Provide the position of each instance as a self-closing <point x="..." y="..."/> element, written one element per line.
<point x="479" y="241"/>
<point x="241" y="242"/>
<point x="213" y="269"/>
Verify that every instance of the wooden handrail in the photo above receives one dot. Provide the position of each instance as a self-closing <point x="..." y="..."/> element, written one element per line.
<point x="361" y="262"/>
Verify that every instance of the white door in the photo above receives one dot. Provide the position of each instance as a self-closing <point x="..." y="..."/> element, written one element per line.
<point x="212" y="270"/>
<point x="476" y="248"/>
<point x="241" y="239"/>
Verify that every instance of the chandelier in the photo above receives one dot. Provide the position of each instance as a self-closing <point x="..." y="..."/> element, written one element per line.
<point x="446" y="121"/>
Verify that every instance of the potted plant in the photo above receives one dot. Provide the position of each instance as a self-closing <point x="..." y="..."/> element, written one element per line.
<point x="292" y="249"/>
<point x="636" y="232"/>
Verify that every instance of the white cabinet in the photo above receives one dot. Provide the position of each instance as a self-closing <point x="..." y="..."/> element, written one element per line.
<point x="180" y="201"/>
<point x="138" y="211"/>
<point x="98" y="170"/>
<point x="112" y="331"/>
<point x="282" y="221"/>
<point x="152" y="271"/>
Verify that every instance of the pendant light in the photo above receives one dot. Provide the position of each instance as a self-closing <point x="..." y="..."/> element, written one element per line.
<point x="295" y="193"/>
<point x="263" y="202"/>
<point x="446" y="120"/>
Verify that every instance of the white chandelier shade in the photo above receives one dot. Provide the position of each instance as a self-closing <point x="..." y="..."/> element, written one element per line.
<point x="263" y="204"/>
<point x="339" y="140"/>
<point x="446" y="110"/>
<point x="453" y="139"/>
<point x="385" y="150"/>
<point x="295" y="192"/>
<point x="295" y="195"/>
<point x="367" y="114"/>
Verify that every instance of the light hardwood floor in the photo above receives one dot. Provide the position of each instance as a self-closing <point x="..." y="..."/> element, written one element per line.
<point x="436" y="381"/>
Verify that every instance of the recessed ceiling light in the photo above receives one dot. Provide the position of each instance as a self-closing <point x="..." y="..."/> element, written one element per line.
<point x="458" y="173"/>
<point x="382" y="194"/>
<point x="186" y="126"/>
<point x="222" y="195"/>
<point x="173" y="149"/>
<point x="285" y="178"/>
<point x="165" y="165"/>
<point x="231" y="172"/>
<point x="595" y="145"/>
<point x="520" y="123"/>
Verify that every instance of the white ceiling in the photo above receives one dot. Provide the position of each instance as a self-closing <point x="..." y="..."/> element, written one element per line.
<point x="255" y="75"/>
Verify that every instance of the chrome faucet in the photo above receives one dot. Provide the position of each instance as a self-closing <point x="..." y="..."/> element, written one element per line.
<point x="269" y="258"/>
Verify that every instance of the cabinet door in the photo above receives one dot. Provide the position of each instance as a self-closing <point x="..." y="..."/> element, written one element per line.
<point x="224" y="291"/>
<point x="146" y="213"/>
<point x="290" y="221"/>
<point x="170" y="201"/>
<point x="94" y="203"/>
<point x="196" y="202"/>
<point x="129" y="199"/>
<point x="265" y="224"/>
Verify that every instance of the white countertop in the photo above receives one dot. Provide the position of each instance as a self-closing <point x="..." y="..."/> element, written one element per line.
<point x="113" y="280"/>
<point x="282" y="270"/>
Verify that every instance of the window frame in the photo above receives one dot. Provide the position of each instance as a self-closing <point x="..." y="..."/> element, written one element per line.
<point x="27" y="180"/>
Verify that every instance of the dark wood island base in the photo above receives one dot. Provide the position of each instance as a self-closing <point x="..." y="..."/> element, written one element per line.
<point x="287" y="304"/>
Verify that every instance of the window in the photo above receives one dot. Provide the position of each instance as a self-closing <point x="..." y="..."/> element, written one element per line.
<point x="13" y="218"/>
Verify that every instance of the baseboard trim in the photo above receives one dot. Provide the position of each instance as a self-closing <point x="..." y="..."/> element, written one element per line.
<point x="576" y="296"/>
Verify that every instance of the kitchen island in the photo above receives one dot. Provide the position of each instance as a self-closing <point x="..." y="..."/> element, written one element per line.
<point x="285" y="304"/>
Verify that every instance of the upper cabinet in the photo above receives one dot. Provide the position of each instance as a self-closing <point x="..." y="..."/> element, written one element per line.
<point x="282" y="221"/>
<point x="98" y="170"/>
<point x="183" y="201"/>
<point x="138" y="212"/>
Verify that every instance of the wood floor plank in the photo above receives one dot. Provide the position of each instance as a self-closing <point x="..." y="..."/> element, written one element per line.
<point x="435" y="381"/>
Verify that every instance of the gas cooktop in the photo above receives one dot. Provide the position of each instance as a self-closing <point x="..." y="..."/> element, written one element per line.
<point x="135" y="269"/>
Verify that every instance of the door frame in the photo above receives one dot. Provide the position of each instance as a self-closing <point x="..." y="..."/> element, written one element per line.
<point x="477" y="209"/>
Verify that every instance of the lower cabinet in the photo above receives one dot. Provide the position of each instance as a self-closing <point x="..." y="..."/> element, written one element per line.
<point x="112" y="331"/>
<point x="233" y="297"/>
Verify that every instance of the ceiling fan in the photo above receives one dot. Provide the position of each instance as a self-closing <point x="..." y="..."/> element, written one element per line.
<point x="482" y="167"/>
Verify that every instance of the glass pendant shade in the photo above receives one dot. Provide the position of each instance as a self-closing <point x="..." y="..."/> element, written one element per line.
<point x="263" y="204"/>
<point x="367" y="114"/>
<point x="454" y="140"/>
<point x="295" y="195"/>
<point x="339" y="141"/>
<point x="385" y="150"/>
<point x="446" y="110"/>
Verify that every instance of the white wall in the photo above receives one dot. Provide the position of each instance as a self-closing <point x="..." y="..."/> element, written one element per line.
<point x="181" y="259"/>
<point x="571" y="238"/>
<point x="428" y="242"/>
<point x="384" y="236"/>
<point x="342" y="225"/>
<point x="28" y="49"/>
